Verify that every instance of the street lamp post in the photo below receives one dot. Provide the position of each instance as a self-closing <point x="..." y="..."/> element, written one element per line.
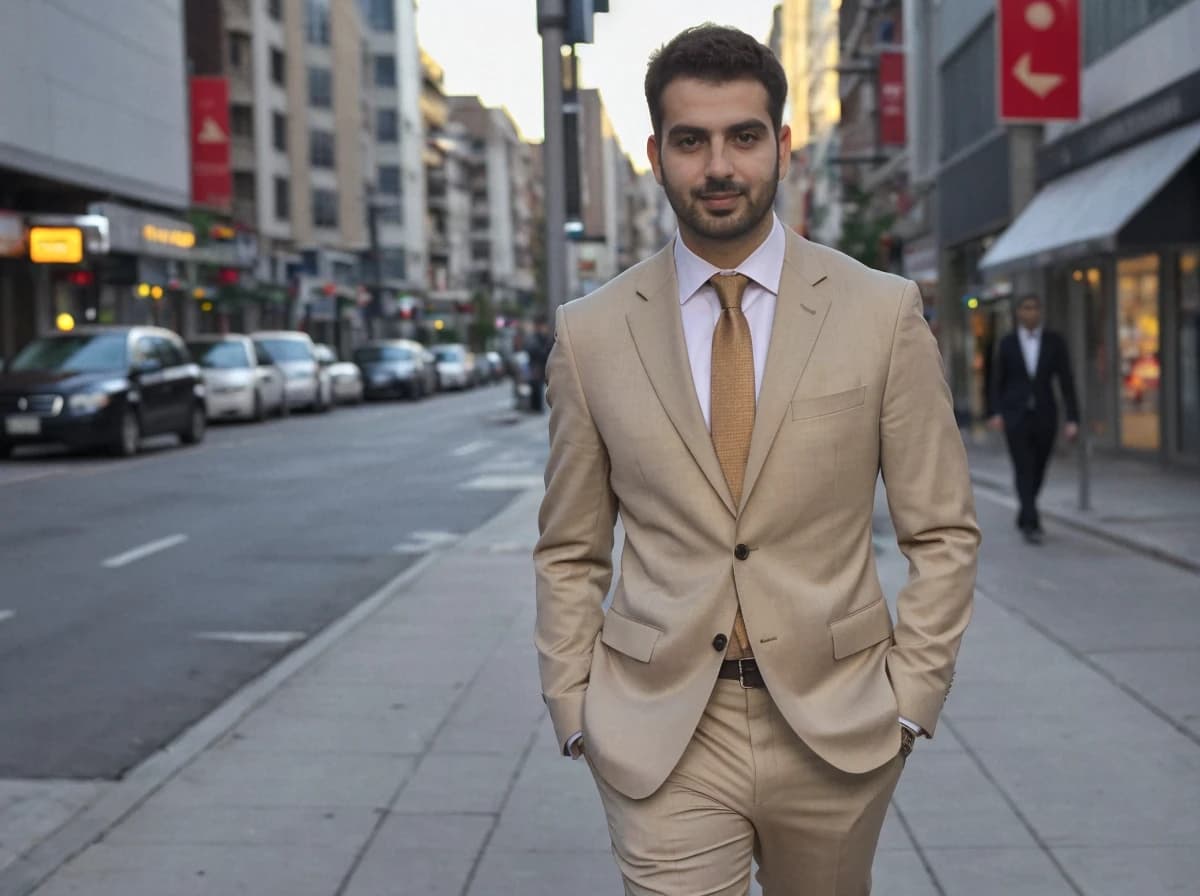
<point x="552" y="20"/>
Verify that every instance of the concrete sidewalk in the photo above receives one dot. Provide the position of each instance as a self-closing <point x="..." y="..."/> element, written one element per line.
<point x="1136" y="503"/>
<point x="412" y="755"/>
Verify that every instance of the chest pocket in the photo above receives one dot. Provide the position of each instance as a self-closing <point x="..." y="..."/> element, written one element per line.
<point x="826" y="405"/>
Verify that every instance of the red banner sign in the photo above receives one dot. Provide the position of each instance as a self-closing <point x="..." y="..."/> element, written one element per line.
<point x="1039" y="59"/>
<point x="212" y="179"/>
<point x="892" y="130"/>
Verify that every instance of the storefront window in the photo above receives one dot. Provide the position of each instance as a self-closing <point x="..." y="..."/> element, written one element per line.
<point x="1098" y="390"/>
<point x="1138" y="342"/>
<point x="1189" y="353"/>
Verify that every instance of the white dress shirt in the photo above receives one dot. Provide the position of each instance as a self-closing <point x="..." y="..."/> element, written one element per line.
<point x="1031" y="348"/>
<point x="700" y="307"/>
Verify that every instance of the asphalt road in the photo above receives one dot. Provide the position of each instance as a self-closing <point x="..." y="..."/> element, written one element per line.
<point x="136" y="595"/>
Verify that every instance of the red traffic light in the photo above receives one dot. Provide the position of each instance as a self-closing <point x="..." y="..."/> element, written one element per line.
<point x="81" y="278"/>
<point x="228" y="276"/>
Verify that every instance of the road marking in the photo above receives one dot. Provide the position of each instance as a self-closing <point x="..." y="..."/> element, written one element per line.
<point x="252" y="637"/>
<point x="470" y="448"/>
<point x="424" y="542"/>
<point x="503" y="483"/>
<point x="144" y="551"/>
<point x="6" y="615"/>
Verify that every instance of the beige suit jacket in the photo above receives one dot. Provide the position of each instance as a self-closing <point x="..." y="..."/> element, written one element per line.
<point x="853" y="386"/>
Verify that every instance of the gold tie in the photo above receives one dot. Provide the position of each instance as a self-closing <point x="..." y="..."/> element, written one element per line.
<point x="732" y="406"/>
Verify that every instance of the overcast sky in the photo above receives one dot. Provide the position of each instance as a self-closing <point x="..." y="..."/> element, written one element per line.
<point x="491" y="48"/>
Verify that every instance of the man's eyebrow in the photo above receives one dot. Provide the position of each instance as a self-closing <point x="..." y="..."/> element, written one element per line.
<point x="687" y="130"/>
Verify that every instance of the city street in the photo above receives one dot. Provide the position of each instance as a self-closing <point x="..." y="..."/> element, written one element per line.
<point x="404" y="750"/>
<point x="139" y="594"/>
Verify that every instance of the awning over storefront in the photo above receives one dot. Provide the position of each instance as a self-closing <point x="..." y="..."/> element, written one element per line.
<point x="1083" y="212"/>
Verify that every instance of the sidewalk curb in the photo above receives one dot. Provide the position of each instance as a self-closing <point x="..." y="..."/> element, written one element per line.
<point x="90" y="824"/>
<point x="1003" y="489"/>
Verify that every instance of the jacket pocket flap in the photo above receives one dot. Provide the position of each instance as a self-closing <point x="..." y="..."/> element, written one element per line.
<point x="861" y="629"/>
<point x="822" y="405"/>
<point x="634" y="639"/>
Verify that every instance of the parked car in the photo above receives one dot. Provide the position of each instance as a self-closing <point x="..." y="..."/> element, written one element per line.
<point x="307" y="384"/>
<point x="346" y="381"/>
<point x="455" y="366"/>
<point x="101" y="387"/>
<point x="484" y="373"/>
<point x="241" y="381"/>
<point x="396" y="368"/>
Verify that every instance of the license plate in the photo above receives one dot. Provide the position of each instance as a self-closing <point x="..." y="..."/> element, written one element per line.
<point x="23" y="425"/>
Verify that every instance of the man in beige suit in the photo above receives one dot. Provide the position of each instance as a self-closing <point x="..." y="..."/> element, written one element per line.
<point x="734" y="399"/>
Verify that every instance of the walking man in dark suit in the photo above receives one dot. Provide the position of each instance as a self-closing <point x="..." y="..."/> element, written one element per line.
<point x="1023" y="404"/>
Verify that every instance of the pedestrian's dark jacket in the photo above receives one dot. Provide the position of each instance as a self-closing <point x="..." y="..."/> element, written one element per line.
<point x="538" y="348"/>
<point x="1022" y="400"/>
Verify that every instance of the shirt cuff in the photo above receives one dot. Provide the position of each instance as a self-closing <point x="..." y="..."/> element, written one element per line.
<point x="571" y="741"/>
<point x="913" y="727"/>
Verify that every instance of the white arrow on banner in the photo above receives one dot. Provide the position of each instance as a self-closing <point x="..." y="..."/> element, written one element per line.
<point x="1040" y="84"/>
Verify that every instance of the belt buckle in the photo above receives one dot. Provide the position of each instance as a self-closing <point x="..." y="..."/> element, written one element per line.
<point x="742" y="674"/>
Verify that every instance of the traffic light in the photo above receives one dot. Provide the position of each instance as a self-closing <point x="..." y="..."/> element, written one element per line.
<point x="579" y="20"/>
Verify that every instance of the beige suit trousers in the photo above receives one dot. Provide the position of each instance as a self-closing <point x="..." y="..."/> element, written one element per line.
<point x="747" y="786"/>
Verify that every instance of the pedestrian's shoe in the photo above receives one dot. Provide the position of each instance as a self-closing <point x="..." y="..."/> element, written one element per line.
<point x="1034" y="536"/>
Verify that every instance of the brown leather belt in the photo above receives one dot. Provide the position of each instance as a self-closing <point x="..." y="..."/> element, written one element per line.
<point x="743" y="671"/>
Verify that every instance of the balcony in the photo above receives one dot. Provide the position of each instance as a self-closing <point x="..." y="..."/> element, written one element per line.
<point x="237" y="16"/>
<point x="242" y="153"/>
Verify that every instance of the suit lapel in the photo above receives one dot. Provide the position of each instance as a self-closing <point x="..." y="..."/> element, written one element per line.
<point x="800" y="312"/>
<point x="656" y="325"/>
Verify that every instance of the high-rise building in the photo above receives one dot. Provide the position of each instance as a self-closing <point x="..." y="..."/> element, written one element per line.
<point x="395" y="79"/>
<point x="103" y="118"/>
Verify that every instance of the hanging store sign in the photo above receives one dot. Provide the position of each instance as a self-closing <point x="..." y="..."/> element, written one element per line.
<point x="892" y="130"/>
<point x="1039" y="60"/>
<point x="55" y="245"/>
<point x="212" y="177"/>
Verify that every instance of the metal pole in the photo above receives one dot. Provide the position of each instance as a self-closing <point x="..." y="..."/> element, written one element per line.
<point x="551" y="22"/>
<point x="1079" y="359"/>
<point x="375" y="328"/>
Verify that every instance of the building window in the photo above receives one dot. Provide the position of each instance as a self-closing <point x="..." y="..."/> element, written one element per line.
<point x="321" y="149"/>
<point x="1109" y="23"/>
<point x="316" y="22"/>
<point x="381" y="14"/>
<point x="279" y="131"/>
<point x="283" y="199"/>
<point x="389" y="179"/>
<point x="385" y="70"/>
<point x="243" y="186"/>
<point x="241" y="120"/>
<point x="325" y="208"/>
<point x="393" y="263"/>
<point x="387" y="128"/>
<point x="278" y="67"/>
<point x="275" y="10"/>
<point x="239" y="52"/>
<point x="320" y="87"/>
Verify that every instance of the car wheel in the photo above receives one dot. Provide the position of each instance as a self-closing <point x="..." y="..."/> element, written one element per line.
<point x="6" y="450"/>
<point x="284" y="408"/>
<point x="197" y="423"/>
<point x="129" y="435"/>
<point x="259" y="413"/>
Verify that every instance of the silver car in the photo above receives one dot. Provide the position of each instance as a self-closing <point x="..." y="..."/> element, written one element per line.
<point x="345" y="380"/>
<point x="307" y="385"/>
<point x="241" y="382"/>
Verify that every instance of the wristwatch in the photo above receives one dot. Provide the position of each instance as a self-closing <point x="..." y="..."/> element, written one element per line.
<point x="907" y="740"/>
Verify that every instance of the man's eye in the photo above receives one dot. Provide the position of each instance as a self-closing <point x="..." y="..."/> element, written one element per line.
<point x="747" y="137"/>
<point x="687" y="142"/>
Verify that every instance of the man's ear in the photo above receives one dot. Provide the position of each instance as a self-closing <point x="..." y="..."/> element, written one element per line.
<point x="655" y="157"/>
<point x="785" y="151"/>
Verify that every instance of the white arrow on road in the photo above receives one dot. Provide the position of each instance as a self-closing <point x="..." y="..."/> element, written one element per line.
<point x="1038" y="83"/>
<point x="424" y="542"/>
<point x="6" y="615"/>
<point x="144" y="551"/>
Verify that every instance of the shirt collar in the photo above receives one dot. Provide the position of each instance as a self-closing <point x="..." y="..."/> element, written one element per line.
<point x="764" y="266"/>
<point x="1030" y="334"/>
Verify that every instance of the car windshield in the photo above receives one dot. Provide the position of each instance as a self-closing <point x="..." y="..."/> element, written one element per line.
<point x="287" y="349"/>
<point x="79" y="353"/>
<point x="373" y="353"/>
<point x="448" y="353"/>
<point x="219" y="355"/>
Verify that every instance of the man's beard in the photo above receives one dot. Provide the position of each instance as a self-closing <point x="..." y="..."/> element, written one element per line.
<point x="689" y="208"/>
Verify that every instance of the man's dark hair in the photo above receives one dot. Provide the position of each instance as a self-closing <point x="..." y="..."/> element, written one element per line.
<point x="1030" y="297"/>
<point x="715" y="54"/>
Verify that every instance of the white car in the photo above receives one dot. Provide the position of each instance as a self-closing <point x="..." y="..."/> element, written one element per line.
<point x="240" y="382"/>
<point x="308" y="385"/>
<point x="455" y="366"/>
<point x="345" y="378"/>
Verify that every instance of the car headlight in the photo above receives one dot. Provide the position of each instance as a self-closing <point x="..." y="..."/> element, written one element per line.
<point x="88" y="402"/>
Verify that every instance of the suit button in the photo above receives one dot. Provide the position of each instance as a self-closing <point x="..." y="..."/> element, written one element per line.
<point x="720" y="642"/>
<point x="741" y="552"/>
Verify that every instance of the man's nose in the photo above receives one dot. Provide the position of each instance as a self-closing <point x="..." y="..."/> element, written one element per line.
<point x="720" y="165"/>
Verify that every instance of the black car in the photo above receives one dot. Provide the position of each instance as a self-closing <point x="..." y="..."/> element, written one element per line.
<point x="395" y="368"/>
<point x="101" y="387"/>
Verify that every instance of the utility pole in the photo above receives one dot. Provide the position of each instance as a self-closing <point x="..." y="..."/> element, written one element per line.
<point x="552" y="21"/>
